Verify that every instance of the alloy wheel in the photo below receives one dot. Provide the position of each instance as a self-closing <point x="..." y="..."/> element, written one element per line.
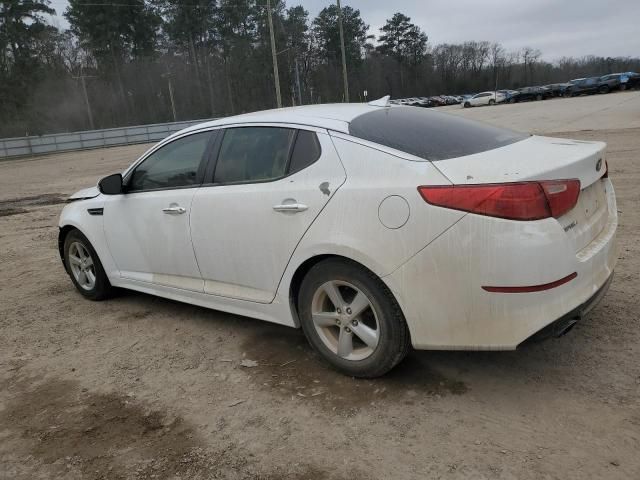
<point x="82" y="266"/>
<point x="345" y="320"/>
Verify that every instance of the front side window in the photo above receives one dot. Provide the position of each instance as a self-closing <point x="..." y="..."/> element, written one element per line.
<point x="254" y="154"/>
<point x="174" y="165"/>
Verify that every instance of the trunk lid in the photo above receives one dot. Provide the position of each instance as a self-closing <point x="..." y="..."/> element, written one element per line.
<point x="544" y="158"/>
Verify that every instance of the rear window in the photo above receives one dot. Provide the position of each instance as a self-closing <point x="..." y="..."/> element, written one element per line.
<point x="428" y="134"/>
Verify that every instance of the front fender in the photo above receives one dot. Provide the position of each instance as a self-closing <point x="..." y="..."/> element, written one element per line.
<point x="76" y="215"/>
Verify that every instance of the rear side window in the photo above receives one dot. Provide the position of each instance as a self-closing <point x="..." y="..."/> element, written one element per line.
<point x="254" y="154"/>
<point x="305" y="152"/>
<point x="430" y="135"/>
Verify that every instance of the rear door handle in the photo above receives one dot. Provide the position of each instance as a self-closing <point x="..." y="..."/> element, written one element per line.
<point x="174" y="210"/>
<point x="290" y="207"/>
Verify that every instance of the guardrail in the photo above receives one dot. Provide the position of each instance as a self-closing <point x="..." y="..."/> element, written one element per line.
<point x="109" y="137"/>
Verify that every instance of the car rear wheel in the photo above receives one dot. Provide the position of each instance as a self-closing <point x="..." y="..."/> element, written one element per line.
<point x="351" y="319"/>
<point x="492" y="102"/>
<point x="84" y="267"/>
<point x="467" y="104"/>
<point x="604" y="89"/>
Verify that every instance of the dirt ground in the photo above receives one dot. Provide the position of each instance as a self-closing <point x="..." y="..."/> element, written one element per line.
<point x="141" y="388"/>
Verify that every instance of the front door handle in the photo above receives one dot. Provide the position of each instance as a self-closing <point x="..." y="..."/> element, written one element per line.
<point x="174" y="210"/>
<point x="290" y="207"/>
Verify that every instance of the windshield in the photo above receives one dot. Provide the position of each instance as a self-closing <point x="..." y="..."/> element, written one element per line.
<point x="430" y="135"/>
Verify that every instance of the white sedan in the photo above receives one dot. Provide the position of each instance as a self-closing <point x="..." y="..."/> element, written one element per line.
<point x="373" y="227"/>
<point x="484" y="98"/>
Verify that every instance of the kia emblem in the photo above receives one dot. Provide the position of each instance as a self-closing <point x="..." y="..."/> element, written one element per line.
<point x="599" y="165"/>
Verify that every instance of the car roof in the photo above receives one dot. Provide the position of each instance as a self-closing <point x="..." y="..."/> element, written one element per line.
<point x="335" y="116"/>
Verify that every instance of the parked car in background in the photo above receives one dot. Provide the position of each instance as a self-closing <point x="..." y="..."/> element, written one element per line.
<point x="411" y="102"/>
<point x="414" y="101"/>
<point x="557" y="89"/>
<point x="633" y="81"/>
<point x="509" y="95"/>
<point x="532" y="93"/>
<point x="582" y="86"/>
<point x="451" y="100"/>
<point x="616" y="81"/>
<point x="438" y="101"/>
<point x="484" y="98"/>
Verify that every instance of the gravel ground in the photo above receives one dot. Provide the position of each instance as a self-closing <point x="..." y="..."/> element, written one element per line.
<point x="140" y="387"/>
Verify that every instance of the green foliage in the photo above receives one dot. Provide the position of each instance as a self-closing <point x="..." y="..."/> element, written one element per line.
<point x="327" y="34"/>
<point x="403" y="40"/>
<point x="114" y="33"/>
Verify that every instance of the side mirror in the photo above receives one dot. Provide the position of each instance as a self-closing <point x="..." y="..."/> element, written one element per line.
<point x="111" y="185"/>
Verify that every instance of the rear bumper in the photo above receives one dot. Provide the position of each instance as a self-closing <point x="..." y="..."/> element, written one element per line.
<point x="439" y="289"/>
<point x="568" y="321"/>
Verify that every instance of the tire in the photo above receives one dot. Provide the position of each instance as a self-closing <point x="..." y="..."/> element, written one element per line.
<point x="467" y="104"/>
<point x="623" y="86"/>
<point x="604" y="89"/>
<point x="538" y="97"/>
<point x="76" y="246"/>
<point x="380" y="323"/>
<point x="492" y="102"/>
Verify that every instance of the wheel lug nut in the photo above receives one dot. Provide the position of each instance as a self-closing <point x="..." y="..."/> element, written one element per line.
<point x="348" y="311"/>
<point x="354" y="323"/>
<point x="348" y="330"/>
<point x="338" y="322"/>
<point x="339" y="310"/>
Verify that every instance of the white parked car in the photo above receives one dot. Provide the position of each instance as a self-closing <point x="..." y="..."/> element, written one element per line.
<point x="374" y="228"/>
<point x="484" y="98"/>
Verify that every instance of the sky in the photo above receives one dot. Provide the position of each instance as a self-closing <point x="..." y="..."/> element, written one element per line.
<point x="556" y="27"/>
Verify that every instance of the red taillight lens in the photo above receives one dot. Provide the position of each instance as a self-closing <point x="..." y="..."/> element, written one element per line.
<point x="562" y="195"/>
<point x="513" y="201"/>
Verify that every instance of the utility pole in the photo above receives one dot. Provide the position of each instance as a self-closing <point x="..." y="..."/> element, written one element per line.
<point x="274" y="57"/>
<point x="344" y="60"/>
<point x="298" y="82"/>
<point x="86" y="97"/>
<point x="168" y="76"/>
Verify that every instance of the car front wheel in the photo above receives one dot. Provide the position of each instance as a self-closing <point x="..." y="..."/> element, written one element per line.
<point x="351" y="319"/>
<point x="84" y="267"/>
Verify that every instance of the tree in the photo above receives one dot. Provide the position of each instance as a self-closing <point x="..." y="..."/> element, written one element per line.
<point x="325" y="29"/>
<point x="21" y="22"/>
<point x="236" y="26"/>
<point x="23" y="36"/>
<point x="529" y="57"/>
<point x="190" y="27"/>
<point x="114" y="33"/>
<point x="298" y="43"/>
<point x="403" y="40"/>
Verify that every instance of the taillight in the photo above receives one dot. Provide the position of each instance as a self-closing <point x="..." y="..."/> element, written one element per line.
<point x="513" y="201"/>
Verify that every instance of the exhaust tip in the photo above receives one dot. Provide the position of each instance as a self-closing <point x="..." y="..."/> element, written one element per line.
<point x="566" y="328"/>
